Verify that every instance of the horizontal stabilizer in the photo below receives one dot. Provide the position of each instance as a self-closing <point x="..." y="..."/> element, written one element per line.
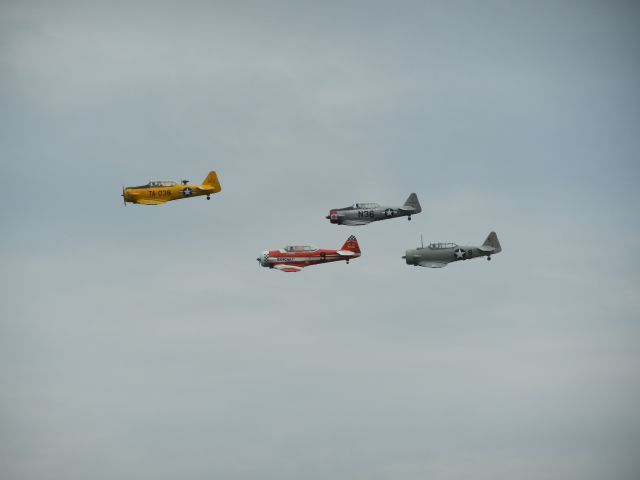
<point x="346" y="253"/>
<point x="206" y="188"/>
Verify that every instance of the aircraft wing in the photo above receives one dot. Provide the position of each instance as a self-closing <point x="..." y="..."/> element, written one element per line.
<point x="432" y="264"/>
<point x="288" y="268"/>
<point x="355" y="222"/>
<point x="151" y="202"/>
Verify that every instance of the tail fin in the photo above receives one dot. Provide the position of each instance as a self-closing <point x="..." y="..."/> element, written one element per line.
<point x="351" y="245"/>
<point x="492" y="244"/>
<point x="212" y="181"/>
<point x="413" y="204"/>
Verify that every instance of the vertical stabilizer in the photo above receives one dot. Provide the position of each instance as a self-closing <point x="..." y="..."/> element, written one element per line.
<point x="413" y="203"/>
<point x="492" y="243"/>
<point x="212" y="181"/>
<point x="351" y="245"/>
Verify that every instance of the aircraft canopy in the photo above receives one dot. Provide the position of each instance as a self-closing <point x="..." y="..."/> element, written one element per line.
<point x="162" y="183"/>
<point x="438" y="246"/>
<point x="365" y="205"/>
<point x="299" y="248"/>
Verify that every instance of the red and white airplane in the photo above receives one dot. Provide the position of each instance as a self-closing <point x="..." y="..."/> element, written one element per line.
<point x="294" y="258"/>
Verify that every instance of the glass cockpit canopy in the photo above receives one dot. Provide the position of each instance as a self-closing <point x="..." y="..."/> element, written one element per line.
<point x="299" y="248"/>
<point x="365" y="205"/>
<point x="162" y="183"/>
<point x="439" y="246"/>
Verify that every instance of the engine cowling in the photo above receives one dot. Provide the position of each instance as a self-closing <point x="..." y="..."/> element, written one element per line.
<point x="333" y="216"/>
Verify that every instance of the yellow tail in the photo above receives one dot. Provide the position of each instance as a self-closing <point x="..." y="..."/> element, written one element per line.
<point x="212" y="181"/>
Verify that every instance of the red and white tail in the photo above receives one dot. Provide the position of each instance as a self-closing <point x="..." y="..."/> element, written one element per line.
<point x="351" y="245"/>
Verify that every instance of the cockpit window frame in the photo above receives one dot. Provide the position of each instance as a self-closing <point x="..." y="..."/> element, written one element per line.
<point x="299" y="248"/>
<point x="162" y="184"/>
<point x="442" y="245"/>
<point x="368" y="206"/>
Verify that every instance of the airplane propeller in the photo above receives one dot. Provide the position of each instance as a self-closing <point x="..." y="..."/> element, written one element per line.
<point x="124" y="199"/>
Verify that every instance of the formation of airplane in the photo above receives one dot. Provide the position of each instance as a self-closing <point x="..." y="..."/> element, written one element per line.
<point x="364" y="213"/>
<point x="438" y="255"/>
<point x="293" y="258"/>
<point x="159" y="192"/>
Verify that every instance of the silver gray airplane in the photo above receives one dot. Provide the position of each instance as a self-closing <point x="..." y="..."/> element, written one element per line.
<point x="438" y="255"/>
<point x="363" y="213"/>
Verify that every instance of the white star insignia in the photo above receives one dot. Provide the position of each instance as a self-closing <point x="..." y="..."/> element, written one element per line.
<point x="187" y="191"/>
<point x="388" y="212"/>
<point x="459" y="253"/>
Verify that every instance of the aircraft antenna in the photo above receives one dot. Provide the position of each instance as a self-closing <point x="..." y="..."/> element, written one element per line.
<point x="421" y="241"/>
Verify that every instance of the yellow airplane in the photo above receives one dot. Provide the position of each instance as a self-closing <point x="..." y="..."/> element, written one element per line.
<point x="159" y="192"/>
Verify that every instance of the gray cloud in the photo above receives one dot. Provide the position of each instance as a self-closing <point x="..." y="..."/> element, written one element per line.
<point x="147" y="343"/>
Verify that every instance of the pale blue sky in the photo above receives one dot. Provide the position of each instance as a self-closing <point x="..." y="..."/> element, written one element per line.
<point x="146" y="342"/>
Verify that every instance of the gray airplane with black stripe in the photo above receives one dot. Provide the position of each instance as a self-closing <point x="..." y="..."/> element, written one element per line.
<point x="364" y="213"/>
<point x="438" y="255"/>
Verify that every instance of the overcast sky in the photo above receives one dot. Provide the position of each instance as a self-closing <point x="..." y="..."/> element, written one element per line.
<point x="147" y="343"/>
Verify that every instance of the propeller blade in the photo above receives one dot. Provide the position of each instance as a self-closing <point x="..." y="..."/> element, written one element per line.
<point x="124" y="199"/>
